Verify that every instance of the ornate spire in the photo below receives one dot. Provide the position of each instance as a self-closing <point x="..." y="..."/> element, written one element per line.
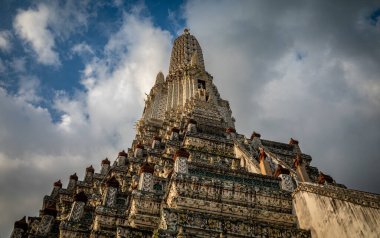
<point x="185" y="46"/>
<point x="74" y="176"/>
<point x="160" y="78"/>
<point x="58" y="184"/>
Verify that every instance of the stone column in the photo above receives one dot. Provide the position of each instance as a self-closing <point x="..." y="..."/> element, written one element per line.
<point x="20" y="227"/>
<point x="57" y="185"/>
<point x="180" y="161"/>
<point x="72" y="181"/>
<point x="47" y="220"/>
<point x="192" y="126"/>
<point x="89" y="174"/>
<point x="121" y="158"/>
<point x="178" y="88"/>
<point x="298" y="162"/>
<point x="325" y="179"/>
<point x="184" y="89"/>
<point x="180" y="233"/>
<point x="174" y="93"/>
<point x="231" y="133"/>
<point x="300" y="167"/>
<point x="146" y="177"/>
<point x="156" y="142"/>
<point x="264" y="164"/>
<point x="191" y="84"/>
<point x="296" y="147"/>
<point x="286" y="179"/>
<point x="174" y="134"/>
<point x="110" y="194"/>
<point x="105" y="166"/>
<point x="256" y="141"/>
<point x="235" y="164"/>
<point x="170" y="96"/>
<point x="77" y="209"/>
<point x="139" y="150"/>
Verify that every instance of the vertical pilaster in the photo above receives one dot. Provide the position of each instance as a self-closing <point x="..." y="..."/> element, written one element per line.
<point x="72" y="181"/>
<point x="110" y="195"/>
<point x="286" y="179"/>
<point x="184" y="90"/>
<point x="89" y="174"/>
<point x="47" y="220"/>
<point x="192" y="126"/>
<point x="231" y="133"/>
<point x="298" y="162"/>
<point x="169" y="103"/>
<point x="77" y="209"/>
<point x="105" y="166"/>
<point x="20" y="228"/>
<point x="264" y="164"/>
<point x="256" y="141"/>
<point x="156" y="142"/>
<point x="146" y="177"/>
<point x="180" y="161"/>
<point x="174" y="134"/>
<point x="300" y="166"/>
<point x="139" y="150"/>
<point x="121" y="158"/>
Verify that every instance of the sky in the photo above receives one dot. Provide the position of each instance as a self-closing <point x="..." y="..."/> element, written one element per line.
<point x="73" y="77"/>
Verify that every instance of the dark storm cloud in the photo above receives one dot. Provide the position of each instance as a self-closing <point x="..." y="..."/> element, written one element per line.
<point x="304" y="69"/>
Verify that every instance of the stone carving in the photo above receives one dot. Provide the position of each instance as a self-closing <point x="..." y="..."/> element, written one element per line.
<point x="287" y="182"/>
<point x="111" y="197"/>
<point x="353" y="196"/>
<point x="146" y="182"/>
<point x="76" y="211"/>
<point x="45" y="225"/>
<point x="188" y="173"/>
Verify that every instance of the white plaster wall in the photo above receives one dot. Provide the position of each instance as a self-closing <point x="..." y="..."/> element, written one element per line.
<point x="329" y="217"/>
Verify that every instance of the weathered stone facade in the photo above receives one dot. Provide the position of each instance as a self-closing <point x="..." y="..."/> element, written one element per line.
<point x="188" y="173"/>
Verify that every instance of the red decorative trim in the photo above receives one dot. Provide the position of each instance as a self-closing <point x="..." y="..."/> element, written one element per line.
<point x="112" y="182"/>
<point x="281" y="170"/>
<point x="139" y="146"/>
<point x="146" y="168"/>
<point x="255" y="134"/>
<point x="324" y="178"/>
<point x="262" y="155"/>
<point x="297" y="161"/>
<point x="90" y="169"/>
<point x="293" y="141"/>
<point x="58" y="184"/>
<point x="230" y="130"/>
<point x="80" y="197"/>
<point x="106" y="161"/>
<point x="123" y="153"/>
<point x="175" y="129"/>
<point x="74" y="176"/>
<point x="181" y="153"/>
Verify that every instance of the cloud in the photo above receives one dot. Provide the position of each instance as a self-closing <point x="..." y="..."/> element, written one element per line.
<point x="5" y="44"/>
<point x="82" y="49"/>
<point x="42" y="25"/>
<point x="296" y="70"/>
<point x="32" y="26"/>
<point x="89" y="129"/>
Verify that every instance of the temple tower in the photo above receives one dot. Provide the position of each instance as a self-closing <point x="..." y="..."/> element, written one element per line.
<point x="190" y="173"/>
